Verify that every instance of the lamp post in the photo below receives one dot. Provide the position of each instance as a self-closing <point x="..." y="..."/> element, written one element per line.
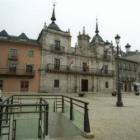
<point x="119" y="102"/>
<point x="107" y="45"/>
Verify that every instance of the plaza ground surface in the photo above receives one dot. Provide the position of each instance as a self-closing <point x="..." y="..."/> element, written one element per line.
<point x="108" y="122"/>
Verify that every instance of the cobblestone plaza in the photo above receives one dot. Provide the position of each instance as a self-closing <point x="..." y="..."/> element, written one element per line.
<point x="109" y="122"/>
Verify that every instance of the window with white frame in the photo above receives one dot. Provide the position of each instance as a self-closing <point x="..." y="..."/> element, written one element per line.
<point x="30" y="53"/>
<point x="29" y="68"/>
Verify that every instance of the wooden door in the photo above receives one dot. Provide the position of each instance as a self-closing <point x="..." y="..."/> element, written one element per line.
<point x="24" y="86"/>
<point x="84" y="85"/>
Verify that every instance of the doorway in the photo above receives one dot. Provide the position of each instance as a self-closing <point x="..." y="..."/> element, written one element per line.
<point x="135" y="88"/>
<point x="84" y="85"/>
<point x="24" y="86"/>
<point x="1" y="84"/>
<point x="125" y="87"/>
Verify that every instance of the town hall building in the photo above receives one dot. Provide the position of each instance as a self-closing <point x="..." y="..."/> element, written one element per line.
<point x="89" y="67"/>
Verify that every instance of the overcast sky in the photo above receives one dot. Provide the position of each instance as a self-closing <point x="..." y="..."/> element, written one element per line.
<point x="114" y="17"/>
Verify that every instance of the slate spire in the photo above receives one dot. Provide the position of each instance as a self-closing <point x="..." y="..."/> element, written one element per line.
<point x="96" y="31"/>
<point x="53" y="14"/>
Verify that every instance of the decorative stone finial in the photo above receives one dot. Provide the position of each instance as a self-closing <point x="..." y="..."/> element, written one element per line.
<point x="45" y="26"/>
<point x="84" y="30"/>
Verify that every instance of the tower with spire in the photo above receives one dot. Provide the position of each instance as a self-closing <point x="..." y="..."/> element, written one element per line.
<point x="53" y="25"/>
<point x="97" y="37"/>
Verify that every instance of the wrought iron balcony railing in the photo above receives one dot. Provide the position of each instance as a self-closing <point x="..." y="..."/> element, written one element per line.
<point x="128" y="79"/>
<point x="76" y="69"/>
<point x="125" y="68"/>
<point x="106" y="57"/>
<point x="134" y="70"/>
<point x="13" y="57"/>
<point x="17" y="72"/>
<point x="59" y="49"/>
<point x="120" y="67"/>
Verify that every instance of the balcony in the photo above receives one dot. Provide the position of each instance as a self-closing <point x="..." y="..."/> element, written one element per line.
<point x="128" y="79"/>
<point x="106" y="57"/>
<point x="129" y="69"/>
<point x="134" y="70"/>
<point x="125" y="68"/>
<point x="12" y="57"/>
<point x="58" y="50"/>
<point x="120" y="67"/>
<point x="18" y="73"/>
<point x="64" y="69"/>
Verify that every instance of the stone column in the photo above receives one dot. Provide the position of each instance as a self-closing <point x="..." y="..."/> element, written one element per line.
<point x="132" y="88"/>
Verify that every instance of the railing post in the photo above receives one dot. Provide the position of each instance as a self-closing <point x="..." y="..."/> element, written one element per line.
<point x="86" y="120"/>
<point x="40" y="119"/>
<point x="7" y="112"/>
<point x="11" y="103"/>
<point x="54" y="107"/>
<point x="71" y="110"/>
<point x="1" y="110"/>
<point x="63" y="104"/>
<point x="47" y="117"/>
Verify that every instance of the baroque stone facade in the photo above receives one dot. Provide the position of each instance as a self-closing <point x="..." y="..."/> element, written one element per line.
<point x="89" y="67"/>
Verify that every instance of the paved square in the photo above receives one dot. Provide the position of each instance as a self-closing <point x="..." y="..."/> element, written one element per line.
<point x="109" y="122"/>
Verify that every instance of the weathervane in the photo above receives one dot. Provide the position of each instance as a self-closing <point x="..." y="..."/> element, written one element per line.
<point x="54" y="3"/>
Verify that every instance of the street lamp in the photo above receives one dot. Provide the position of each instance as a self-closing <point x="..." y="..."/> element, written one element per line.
<point x="107" y="45"/>
<point x="119" y="102"/>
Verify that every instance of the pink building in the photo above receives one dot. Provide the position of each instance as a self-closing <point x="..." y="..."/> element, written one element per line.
<point x="20" y="59"/>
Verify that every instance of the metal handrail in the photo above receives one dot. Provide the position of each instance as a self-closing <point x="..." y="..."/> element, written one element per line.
<point x="72" y="102"/>
<point x="77" y="69"/>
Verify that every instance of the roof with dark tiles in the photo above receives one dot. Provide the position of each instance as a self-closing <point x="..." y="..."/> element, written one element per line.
<point x="21" y="38"/>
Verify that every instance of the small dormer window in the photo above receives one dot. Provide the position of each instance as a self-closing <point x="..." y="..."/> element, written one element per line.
<point x="24" y="40"/>
<point x="3" y="37"/>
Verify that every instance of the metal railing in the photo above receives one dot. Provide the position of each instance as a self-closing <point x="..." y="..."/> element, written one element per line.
<point x="74" y="109"/>
<point x="13" y="57"/>
<point x="76" y="69"/>
<point x="57" y="49"/>
<point x="17" y="72"/>
<point x="106" y="57"/>
<point x="128" y="79"/>
<point x="11" y="107"/>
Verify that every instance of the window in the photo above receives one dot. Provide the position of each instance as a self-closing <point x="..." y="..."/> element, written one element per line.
<point x="56" y="83"/>
<point x="12" y="68"/>
<point x="106" y="69"/>
<point x="124" y="76"/>
<point x="129" y="66"/>
<point x="13" y="53"/>
<point x="84" y="67"/>
<point x="29" y="68"/>
<point x="1" y="84"/>
<point x="57" y="45"/>
<point x="124" y="65"/>
<point x="30" y="53"/>
<point x="105" y="54"/>
<point x="24" y="40"/>
<point x="56" y="64"/>
<point x="119" y="65"/>
<point x="3" y="37"/>
<point x="106" y="84"/>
